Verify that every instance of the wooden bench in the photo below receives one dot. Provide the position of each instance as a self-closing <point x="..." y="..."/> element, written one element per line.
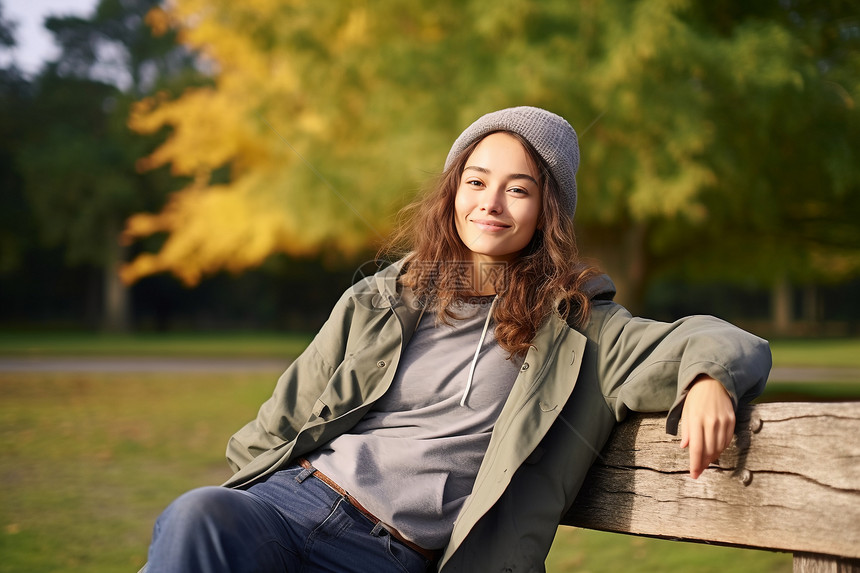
<point x="789" y="482"/>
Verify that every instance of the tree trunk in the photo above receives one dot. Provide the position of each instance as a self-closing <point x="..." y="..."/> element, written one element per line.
<point x="115" y="306"/>
<point x="781" y="302"/>
<point x="811" y="305"/>
<point x="622" y="255"/>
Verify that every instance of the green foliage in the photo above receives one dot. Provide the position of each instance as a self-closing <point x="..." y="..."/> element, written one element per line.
<point x="15" y="222"/>
<point x="79" y="170"/>
<point x="785" y="138"/>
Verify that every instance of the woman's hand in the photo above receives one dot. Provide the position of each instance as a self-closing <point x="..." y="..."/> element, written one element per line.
<point x="707" y="423"/>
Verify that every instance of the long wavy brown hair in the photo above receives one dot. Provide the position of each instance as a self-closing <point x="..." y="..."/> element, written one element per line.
<point x="546" y="277"/>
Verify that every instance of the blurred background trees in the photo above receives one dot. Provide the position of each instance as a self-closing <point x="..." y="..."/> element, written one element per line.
<point x="79" y="157"/>
<point x="719" y="147"/>
<point x="74" y="158"/>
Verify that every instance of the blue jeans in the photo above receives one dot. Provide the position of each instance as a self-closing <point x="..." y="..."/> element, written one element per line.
<point x="289" y="523"/>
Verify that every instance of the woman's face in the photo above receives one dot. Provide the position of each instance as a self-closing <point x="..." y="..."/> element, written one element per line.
<point x="498" y="203"/>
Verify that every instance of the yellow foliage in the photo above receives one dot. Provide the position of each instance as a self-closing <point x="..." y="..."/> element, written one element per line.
<point x="209" y="130"/>
<point x="354" y="32"/>
<point x="259" y="121"/>
<point x="217" y="228"/>
<point x="158" y="21"/>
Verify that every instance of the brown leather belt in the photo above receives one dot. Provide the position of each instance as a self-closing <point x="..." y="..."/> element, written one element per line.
<point x="428" y="554"/>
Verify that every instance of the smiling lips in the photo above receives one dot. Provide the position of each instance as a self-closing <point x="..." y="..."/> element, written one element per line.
<point x="490" y="225"/>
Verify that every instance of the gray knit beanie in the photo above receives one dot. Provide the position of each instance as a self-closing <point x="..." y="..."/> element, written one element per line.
<point x="551" y="135"/>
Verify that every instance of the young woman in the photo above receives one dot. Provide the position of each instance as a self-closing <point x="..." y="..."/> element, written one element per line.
<point x="447" y="412"/>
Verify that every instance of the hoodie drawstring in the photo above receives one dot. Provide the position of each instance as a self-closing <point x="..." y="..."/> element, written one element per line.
<point x="477" y="352"/>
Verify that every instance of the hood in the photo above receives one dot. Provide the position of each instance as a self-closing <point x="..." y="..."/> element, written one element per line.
<point x="600" y="287"/>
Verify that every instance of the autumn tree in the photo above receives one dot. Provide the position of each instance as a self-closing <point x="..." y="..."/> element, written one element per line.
<point x="693" y="119"/>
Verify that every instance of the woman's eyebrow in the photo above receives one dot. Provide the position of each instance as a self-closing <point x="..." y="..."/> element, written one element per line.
<point x="511" y="176"/>
<point x="523" y="176"/>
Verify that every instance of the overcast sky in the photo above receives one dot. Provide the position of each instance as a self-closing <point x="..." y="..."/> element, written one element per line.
<point x="34" y="42"/>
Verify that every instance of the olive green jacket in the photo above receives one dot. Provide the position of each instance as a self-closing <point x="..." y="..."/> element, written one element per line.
<point x="574" y="385"/>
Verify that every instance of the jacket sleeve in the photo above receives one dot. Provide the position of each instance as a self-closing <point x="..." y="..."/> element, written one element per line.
<point x="648" y="366"/>
<point x="282" y="416"/>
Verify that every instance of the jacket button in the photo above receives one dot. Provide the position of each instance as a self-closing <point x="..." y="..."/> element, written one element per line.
<point x="380" y="364"/>
<point x="524" y="367"/>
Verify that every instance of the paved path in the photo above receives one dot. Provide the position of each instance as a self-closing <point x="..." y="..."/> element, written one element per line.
<point x="276" y="366"/>
<point x="141" y="364"/>
<point x="815" y="374"/>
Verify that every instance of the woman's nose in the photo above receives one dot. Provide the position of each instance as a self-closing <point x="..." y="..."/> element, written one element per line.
<point x="492" y="202"/>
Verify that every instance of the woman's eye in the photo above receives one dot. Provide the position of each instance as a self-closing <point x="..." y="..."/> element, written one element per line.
<point x="518" y="190"/>
<point x="473" y="182"/>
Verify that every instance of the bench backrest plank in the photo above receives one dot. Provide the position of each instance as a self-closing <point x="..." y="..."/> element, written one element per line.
<point x="789" y="482"/>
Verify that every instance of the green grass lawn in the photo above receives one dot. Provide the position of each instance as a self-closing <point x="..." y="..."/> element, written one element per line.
<point x="583" y="550"/>
<point x="825" y="352"/>
<point x="89" y="460"/>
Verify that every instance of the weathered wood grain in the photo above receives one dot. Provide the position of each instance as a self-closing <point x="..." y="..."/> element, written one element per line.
<point x="810" y="563"/>
<point x="789" y="482"/>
